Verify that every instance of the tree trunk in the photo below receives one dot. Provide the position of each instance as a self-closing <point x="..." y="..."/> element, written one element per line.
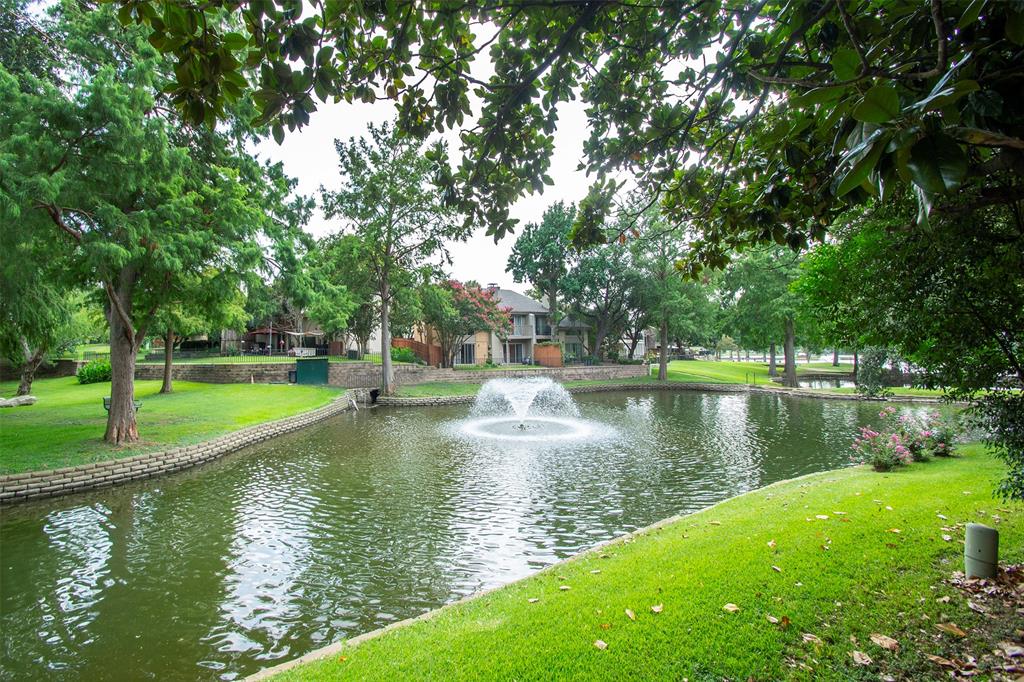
<point x="663" y="355"/>
<point x="789" y="373"/>
<point x="773" y="371"/>
<point x="856" y="364"/>
<point x="748" y="356"/>
<point x="121" y="425"/>
<point x="168" y="386"/>
<point x="387" y="374"/>
<point x="835" y="357"/>
<point x="28" y="370"/>
<point x="807" y="353"/>
<point x="552" y="300"/>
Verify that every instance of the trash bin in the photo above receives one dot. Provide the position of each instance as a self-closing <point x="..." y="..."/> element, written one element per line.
<point x="291" y="376"/>
<point x="353" y="354"/>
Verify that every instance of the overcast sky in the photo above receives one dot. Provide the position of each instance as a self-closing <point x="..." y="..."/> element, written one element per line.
<point x="309" y="156"/>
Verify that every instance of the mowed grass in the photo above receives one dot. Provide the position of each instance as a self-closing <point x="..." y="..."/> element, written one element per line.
<point x="838" y="556"/>
<point x="66" y="426"/>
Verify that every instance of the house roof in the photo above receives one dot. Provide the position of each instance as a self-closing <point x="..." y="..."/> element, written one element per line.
<point x="518" y="302"/>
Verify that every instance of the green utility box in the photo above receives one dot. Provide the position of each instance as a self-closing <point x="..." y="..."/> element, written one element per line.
<point x="311" y="371"/>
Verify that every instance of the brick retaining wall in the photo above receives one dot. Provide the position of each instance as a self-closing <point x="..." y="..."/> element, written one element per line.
<point x="59" y="482"/>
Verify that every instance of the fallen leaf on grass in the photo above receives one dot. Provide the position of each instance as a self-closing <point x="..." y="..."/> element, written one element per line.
<point x="771" y="544"/>
<point x="772" y="619"/>
<point x="606" y="626"/>
<point x="893" y="530"/>
<point x="563" y="587"/>
<point x="942" y="516"/>
<point x="823" y="517"/>
<point x="630" y="614"/>
<point x="776" y="569"/>
<point x="342" y="658"/>
<point x="888" y="507"/>
<point x="943" y="600"/>
<point x="812" y="639"/>
<point x="785" y="622"/>
<point x="939" y="660"/>
<point x="1011" y="650"/>
<point x="839" y="513"/>
<point x="533" y="600"/>
<point x="658" y="608"/>
<point x="951" y="628"/>
<point x="600" y="644"/>
<point x="715" y="523"/>
<point x="595" y="571"/>
<point x="885" y="641"/>
<point x="975" y="607"/>
<point x="947" y="538"/>
<point x="731" y="608"/>
<point x="860" y="658"/>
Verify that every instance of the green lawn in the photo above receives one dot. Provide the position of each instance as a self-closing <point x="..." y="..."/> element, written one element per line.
<point x="66" y="426"/>
<point x="874" y="561"/>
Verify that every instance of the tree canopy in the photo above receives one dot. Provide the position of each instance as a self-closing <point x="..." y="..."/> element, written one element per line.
<point x="763" y="120"/>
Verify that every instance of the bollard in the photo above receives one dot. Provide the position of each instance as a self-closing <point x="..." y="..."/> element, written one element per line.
<point x="981" y="551"/>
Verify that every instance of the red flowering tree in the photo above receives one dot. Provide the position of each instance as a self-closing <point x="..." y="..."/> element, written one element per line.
<point x="455" y="312"/>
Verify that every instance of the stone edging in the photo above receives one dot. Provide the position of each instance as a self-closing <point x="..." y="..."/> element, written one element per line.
<point x="338" y="646"/>
<point x="386" y="401"/>
<point x="68" y="480"/>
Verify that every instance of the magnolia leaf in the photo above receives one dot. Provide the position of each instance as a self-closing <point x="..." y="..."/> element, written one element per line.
<point x="885" y="641"/>
<point x="563" y="587"/>
<point x="658" y="608"/>
<point x="859" y="172"/>
<point x="600" y="644"/>
<point x="881" y="104"/>
<point x="937" y="164"/>
<point x="1015" y="27"/>
<point x="860" y="658"/>
<point x="951" y="628"/>
<point x="533" y="600"/>
<point x="817" y="96"/>
<point x="771" y="544"/>
<point x="630" y="614"/>
<point x="939" y="660"/>
<point x="776" y="569"/>
<point x="772" y="619"/>
<point x="730" y="608"/>
<point x="811" y="639"/>
<point x="845" y="63"/>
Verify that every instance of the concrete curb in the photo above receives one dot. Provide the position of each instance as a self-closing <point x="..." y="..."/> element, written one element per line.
<point x="37" y="485"/>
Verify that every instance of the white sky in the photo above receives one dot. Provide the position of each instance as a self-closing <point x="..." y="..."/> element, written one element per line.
<point x="308" y="155"/>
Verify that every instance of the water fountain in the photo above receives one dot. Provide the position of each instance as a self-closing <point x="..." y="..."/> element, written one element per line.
<point x="534" y="409"/>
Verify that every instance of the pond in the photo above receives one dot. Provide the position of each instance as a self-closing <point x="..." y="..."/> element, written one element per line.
<point x="366" y="519"/>
<point x="826" y="383"/>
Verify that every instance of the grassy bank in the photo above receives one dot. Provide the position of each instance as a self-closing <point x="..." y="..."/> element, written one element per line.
<point x="785" y="582"/>
<point x="684" y="371"/>
<point x="66" y="426"/>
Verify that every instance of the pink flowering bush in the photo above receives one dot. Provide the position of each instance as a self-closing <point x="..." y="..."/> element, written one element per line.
<point x="941" y="434"/>
<point x="882" y="450"/>
<point x="904" y="439"/>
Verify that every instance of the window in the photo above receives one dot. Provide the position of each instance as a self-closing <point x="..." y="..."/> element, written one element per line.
<point x="542" y="325"/>
<point x="573" y="350"/>
<point x="520" y="326"/>
<point x="466" y="354"/>
<point x="515" y="353"/>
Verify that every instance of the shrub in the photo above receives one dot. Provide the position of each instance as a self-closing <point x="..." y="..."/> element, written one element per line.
<point x="880" y="449"/>
<point x="872" y="373"/>
<point x="403" y="355"/>
<point x="94" y="371"/>
<point x="941" y="434"/>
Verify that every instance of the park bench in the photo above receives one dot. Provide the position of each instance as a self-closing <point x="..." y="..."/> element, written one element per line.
<point x="106" y="404"/>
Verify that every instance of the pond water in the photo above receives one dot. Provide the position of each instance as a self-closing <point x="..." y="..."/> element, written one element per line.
<point x="366" y="519"/>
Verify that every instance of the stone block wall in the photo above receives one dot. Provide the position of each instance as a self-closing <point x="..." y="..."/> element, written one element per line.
<point x="240" y="373"/>
<point x="59" y="482"/>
